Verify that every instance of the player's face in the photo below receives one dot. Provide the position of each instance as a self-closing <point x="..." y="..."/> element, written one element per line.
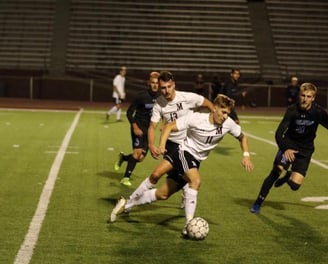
<point x="220" y="115"/>
<point x="235" y="75"/>
<point x="306" y="98"/>
<point x="167" y="89"/>
<point x="123" y="72"/>
<point x="153" y="84"/>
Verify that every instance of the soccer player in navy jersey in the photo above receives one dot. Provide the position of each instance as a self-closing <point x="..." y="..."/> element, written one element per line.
<point x="139" y="113"/>
<point x="295" y="139"/>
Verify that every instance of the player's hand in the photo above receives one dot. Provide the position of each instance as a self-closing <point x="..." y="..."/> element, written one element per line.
<point x="247" y="164"/>
<point x="290" y="154"/>
<point x="162" y="149"/>
<point x="137" y="131"/>
<point x="155" y="152"/>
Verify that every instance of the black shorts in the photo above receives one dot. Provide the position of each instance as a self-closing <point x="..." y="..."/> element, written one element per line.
<point x="118" y="101"/>
<point x="174" y="174"/>
<point x="300" y="164"/>
<point x="140" y="141"/>
<point x="182" y="161"/>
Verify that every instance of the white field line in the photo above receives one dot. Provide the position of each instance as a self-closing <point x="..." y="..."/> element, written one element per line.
<point x="25" y="252"/>
<point x="274" y="144"/>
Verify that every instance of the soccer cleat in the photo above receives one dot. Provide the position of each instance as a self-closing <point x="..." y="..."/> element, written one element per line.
<point x="118" y="209"/>
<point x="119" y="162"/>
<point x="282" y="180"/>
<point x="255" y="209"/>
<point x="107" y="116"/>
<point x="126" y="181"/>
<point x="184" y="231"/>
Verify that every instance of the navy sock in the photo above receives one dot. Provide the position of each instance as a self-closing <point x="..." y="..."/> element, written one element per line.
<point x="132" y="162"/>
<point x="266" y="186"/>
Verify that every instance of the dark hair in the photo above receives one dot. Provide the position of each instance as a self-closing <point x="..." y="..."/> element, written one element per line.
<point x="165" y="76"/>
<point x="235" y="69"/>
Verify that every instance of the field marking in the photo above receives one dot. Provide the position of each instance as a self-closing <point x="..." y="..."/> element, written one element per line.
<point x="320" y="164"/>
<point x="25" y="252"/>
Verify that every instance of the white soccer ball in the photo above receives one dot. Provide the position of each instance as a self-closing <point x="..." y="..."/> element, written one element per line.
<point x="197" y="228"/>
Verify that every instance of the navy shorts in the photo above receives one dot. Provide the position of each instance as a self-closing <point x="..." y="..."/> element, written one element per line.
<point x="140" y="141"/>
<point x="300" y="164"/>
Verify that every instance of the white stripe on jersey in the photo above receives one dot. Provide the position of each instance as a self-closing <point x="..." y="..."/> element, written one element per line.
<point x="202" y="136"/>
<point x="180" y="106"/>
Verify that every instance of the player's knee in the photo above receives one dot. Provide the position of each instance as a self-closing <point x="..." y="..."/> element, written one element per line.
<point x="154" y="177"/>
<point x="162" y="196"/>
<point x="195" y="184"/>
<point x="293" y="185"/>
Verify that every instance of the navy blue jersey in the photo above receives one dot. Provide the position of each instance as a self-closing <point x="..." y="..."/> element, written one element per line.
<point x="140" y="110"/>
<point x="298" y="128"/>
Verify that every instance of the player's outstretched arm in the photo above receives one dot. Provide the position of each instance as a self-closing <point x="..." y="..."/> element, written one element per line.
<point x="166" y="130"/>
<point x="246" y="161"/>
<point x="154" y="151"/>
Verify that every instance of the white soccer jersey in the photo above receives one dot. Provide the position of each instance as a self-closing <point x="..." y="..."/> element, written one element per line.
<point x="119" y="82"/>
<point x="180" y="106"/>
<point x="202" y="136"/>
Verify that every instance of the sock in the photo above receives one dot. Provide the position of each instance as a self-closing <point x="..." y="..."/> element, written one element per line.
<point x="132" y="162"/>
<point x="147" y="197"/>
<point x="266" y="186"/>
<point x="191" y="203"/>
<point x="118" y="114"/>
<point x="126" y="157"/>
<point x="144" y="186"/>
<point x="112" y="110"/>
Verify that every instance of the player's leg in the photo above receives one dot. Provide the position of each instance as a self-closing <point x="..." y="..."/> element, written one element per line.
<point x="150" y="182"/>
<point x="279" y="164"/>
<point x="145" y="186"/>
<point x="191" y="192"/>
<point x="132" y="160"/>
<point x="162" y="193"/>
<point x="299" y="169"/>
<point x="112" y="109"/>
<point x="295" y="177"/>
<point x="119" y="110"/>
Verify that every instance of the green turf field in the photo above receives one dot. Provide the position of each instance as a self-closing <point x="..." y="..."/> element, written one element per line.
<point x="74" y="228"/>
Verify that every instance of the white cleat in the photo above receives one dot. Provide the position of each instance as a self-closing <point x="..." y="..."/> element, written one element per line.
<point x="118" y="209"/>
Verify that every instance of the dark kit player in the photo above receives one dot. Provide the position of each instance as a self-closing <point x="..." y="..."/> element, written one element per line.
<point x="295" y="138"/>
<point x="139" y="113"/>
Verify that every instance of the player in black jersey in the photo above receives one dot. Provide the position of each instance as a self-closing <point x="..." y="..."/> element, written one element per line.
<point x="139" y="113"/>
<point x="295" y="138"/>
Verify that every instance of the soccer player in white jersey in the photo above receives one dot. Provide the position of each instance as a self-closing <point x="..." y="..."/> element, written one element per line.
<point x="118" y="94"/>
<point x="170" y="106"/>
<point x="204" y="132"/>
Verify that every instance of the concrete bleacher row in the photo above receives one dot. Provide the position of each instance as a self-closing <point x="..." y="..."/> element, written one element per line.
<point x="196" y="36"/>
<point x="207" y="36"/>
<point x="300" y="34"/>
<point x="26" y="33"/>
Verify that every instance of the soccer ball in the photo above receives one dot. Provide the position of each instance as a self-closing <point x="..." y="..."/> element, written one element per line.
<point x="197" y="228"/>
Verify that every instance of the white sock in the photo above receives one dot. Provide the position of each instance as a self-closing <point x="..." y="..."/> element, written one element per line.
<point x="112" y="110"/>
<point x="144" y="186"/>
<point x="191" y="203"/>
<point x="147" y="197"/>
<point x="118" y="114"/>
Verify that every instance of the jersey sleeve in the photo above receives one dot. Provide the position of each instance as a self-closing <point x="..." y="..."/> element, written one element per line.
<point x="156" y="114"/>
<point x="197" y="99"/>
<point x="131" y="110"/>
<point x="282" y="141"/>
<point x="235" y="129"/>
